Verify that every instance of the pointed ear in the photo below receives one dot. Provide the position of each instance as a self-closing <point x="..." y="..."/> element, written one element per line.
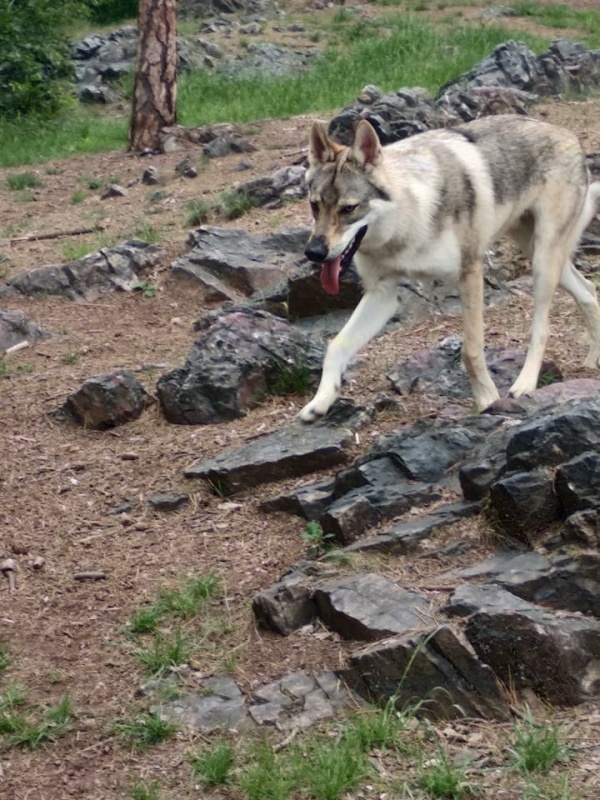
<point x="321" y="149"/>
<point x="365" y="150"/>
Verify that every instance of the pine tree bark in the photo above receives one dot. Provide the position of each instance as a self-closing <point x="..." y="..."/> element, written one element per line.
<point x="155" y="85"/>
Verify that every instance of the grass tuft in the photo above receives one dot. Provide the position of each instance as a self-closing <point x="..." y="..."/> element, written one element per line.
<point x="213" y="767"/>
<point x="537" y="747"/>
<point x="145" y="731"/>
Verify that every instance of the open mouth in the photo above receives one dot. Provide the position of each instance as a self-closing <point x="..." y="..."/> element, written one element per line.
<point x="332" y="270"/>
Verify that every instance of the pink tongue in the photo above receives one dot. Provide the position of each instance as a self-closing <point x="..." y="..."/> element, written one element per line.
<point x="330" y="275"/>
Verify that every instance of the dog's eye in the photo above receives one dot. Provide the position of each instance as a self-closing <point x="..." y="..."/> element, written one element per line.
<point x="349" y="209"/>
<point x="314" y="207"/>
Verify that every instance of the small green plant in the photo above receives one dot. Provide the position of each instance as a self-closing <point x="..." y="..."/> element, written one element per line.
<point x="186" y="602"/>
<point x="92" y="183"/>
<point x="143" y="791"/>
<point x="317" y="542"/>
<point x="213" y="767"/>
<point x="147" y="288"/>
<point x="444" y="779"/>
<point x="165" y="652"/>
<point x="235" y="204"/>
<point x="26" y="368"/>
<point x="4" y="368"/>
<point x="70" y="358"/>
<point x="72" y="251"/>
<point x="537" y="746"/>
<point x="22" y="731"/>
<point x="288" y="379"/>
<point x="146" y="232"/>
<point x="145" y="620"/>
<point x="549" y="789"/>
<point x="5" y="660"/>
<point x="23" y="180"/>
<point x="157" y="196"/>
<point x="78" y="197"/>
<point x="4" y="265"/>
<point x="13" y="696"/>
<point x="379" y="728"/>
<point x="334" y="768"/>
<point x="144" y="731"/>
<point x="218" y="487"/>
<point x="199" y="211"/>
<point x="267" y="777"/>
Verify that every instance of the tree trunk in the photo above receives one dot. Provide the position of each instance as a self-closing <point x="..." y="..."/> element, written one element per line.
<point x="155" y="87"/>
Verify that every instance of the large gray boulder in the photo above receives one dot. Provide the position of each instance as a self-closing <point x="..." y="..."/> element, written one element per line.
<point x="235" y="362"/>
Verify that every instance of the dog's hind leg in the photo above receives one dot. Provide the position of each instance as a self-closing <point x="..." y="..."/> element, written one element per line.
<point x="584" y="294"/>
<point x="548" y="261"/>
<point x="368" y="318"/>
<point x="473" y="355"/>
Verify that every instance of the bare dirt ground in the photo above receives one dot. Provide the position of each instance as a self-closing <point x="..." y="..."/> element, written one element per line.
<point x="60" y="484"/>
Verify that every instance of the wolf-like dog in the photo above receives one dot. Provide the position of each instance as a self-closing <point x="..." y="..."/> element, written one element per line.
<point x="430" y="206"/>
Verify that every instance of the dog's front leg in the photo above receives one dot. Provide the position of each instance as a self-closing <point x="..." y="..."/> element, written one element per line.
<point x="368" y="318"/>
<point x="473" y="354"/>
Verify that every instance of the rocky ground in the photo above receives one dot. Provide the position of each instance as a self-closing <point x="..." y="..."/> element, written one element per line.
<point x="60" y="484"/>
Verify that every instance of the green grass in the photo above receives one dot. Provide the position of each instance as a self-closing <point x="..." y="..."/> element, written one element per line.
<point x="334" y="768"/>
<point x="413" y="54"/>
<point x="143" y="791"/>
<point x="25" y="730"/>
<point x="286" y="379"/>
<point x="213" y="767"/>
<point x="268" y="776"/>
<point x="441" y="778"/>
<point x="23" y="180"/>
<point x="166" y="651"/>
<point x="30" y="141"/>
<point x="316" y="540"/>
<point x="187" y="601"/>
<point x="78" y="197"/>
<point x="537" y="746"/>
<point x="561" y="16"/>
<point x="144" y="731"/>
<point x="5" y="659"/>
<point x="402" y="49"/>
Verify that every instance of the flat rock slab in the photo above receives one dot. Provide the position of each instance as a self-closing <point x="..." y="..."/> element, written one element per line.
<point x="369" y="607"/>
<point x="440" y="371"/>
<point x="296" y="701"/>
<point x="406" y="536"/>
<point x="435" y="671"/>
<point x="288" y="452"/>
<point x="300" y="700"/>
<point x="110" y="268"/>
<point x="224" y="257"/>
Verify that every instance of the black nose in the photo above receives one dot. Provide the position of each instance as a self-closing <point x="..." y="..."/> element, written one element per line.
<point x="316" y="250"/>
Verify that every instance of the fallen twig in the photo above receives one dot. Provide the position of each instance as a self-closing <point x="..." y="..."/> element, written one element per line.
<point x="34" y="237"/>
<point x="89" y="576"/>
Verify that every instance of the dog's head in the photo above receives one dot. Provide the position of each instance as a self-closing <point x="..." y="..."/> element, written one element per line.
<point x="341" y="187"/>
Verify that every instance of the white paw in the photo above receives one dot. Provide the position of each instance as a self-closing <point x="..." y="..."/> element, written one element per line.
<point x="317" y="408"/>
<point x="485" y="396"/>
<point x="522" y="388"/>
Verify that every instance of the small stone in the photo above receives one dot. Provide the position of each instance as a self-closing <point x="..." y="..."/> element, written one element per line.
<point x="113" y="190"/>
<point x="168" y="501"/>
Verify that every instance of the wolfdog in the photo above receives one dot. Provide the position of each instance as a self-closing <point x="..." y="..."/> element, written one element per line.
<point x="430" y="206"/>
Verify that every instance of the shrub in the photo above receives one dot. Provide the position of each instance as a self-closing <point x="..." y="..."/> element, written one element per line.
<point x="35" y="61"/>
<point x="107" y="11"/>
